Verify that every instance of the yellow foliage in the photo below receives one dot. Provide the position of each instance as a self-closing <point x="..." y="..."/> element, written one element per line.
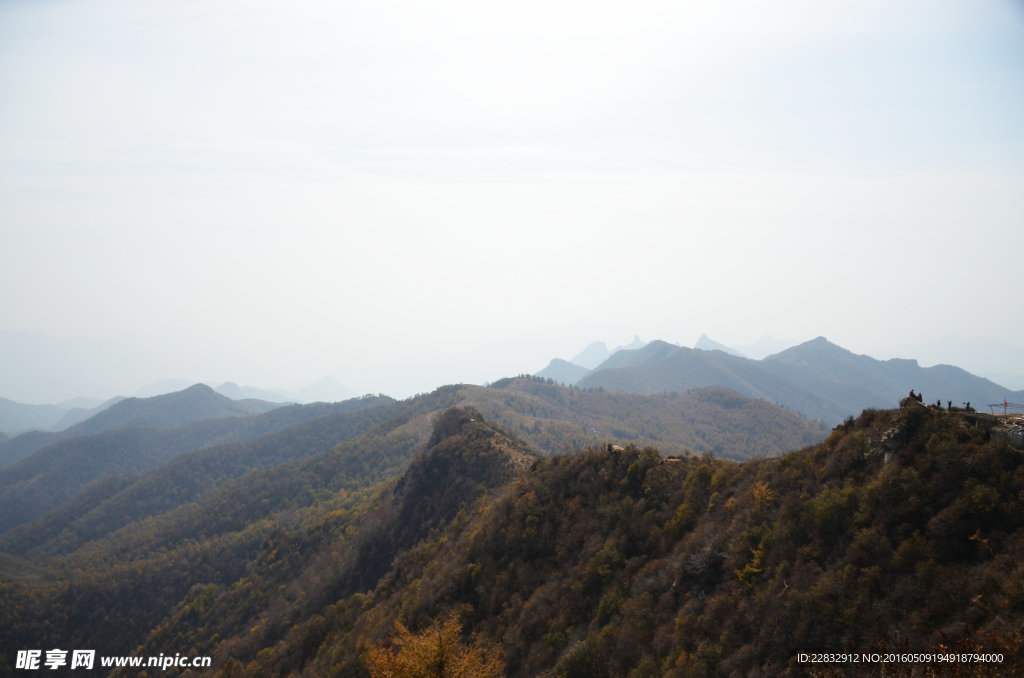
<point x="763" y="495"/>
<point x="436" y="652"/>
<point x="754" y="567"/>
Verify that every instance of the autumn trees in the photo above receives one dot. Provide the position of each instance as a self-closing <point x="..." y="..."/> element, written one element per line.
<point x="438" y="651"/>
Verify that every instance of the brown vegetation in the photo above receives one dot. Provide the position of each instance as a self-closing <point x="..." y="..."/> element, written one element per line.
<point x="902" y="532"/>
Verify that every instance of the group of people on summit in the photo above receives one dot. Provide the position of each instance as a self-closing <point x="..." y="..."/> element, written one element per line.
<point x="938" y="403"/>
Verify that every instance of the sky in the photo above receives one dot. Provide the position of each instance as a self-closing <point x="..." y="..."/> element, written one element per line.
<point x="404" y="194"/>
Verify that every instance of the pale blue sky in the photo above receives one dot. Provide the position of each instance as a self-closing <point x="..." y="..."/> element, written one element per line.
<point x="405" y="194"/>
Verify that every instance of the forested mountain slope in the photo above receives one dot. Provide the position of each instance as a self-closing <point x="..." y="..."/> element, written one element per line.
<point x="318" y="526"/>
<point x="55" y="474"/>
<point x="196" y="404"/>
<point x="119" y="499"/>
<point x="555" y="419"/>
<point x="902" y="531"/>
<point x="47" y="505"/>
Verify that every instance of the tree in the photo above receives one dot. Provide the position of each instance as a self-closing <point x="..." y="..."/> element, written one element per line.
<point x="436" y="652"/>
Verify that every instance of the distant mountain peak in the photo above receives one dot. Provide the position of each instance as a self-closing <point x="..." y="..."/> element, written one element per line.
<point x="464" y="447"/>
<point x="236" y="392"/>
<point x="705" y="343"/>
<point x="597" y="352"/>
<point x="451" y="422"/>
<point x="593" y="355"/>
<point x="635" y="344"/>
<point x="649" y="352"/>
<point x="563" y="371"/>
<point x="169" y="410"/>
<point x="816" y="346"/>
<point x="231" y="390"/>
<point x="656" y="345"/>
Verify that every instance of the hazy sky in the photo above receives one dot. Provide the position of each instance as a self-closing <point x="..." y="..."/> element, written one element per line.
<point x="407" y="194"/>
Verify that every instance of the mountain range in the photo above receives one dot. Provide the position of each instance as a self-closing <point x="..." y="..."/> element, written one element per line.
<point x="155" y="478"/>
<point x="899" y="532"/>
<point x="597" y="352"/>
<point x="817" y="378"/>
<point x="167" y="411"/>
<point x="58" y="478"/>
<point x="18" y="417"/>
<point x="671" y="512"/>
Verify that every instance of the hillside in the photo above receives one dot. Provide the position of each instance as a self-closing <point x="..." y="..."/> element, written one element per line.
<point x="170" y="410"/>
<point x="119" y="500"/>
<point x="903" y="531"/>
<point x="555" y="419"/>
<point x="54" y="474"/>
<point x="213" y="539"/>
<point x="76" y="415"/>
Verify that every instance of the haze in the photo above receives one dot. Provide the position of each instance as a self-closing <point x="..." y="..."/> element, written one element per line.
<point x="406" y="194"/>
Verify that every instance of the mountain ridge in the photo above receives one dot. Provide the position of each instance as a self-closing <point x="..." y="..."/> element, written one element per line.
<point x="817" y="378"/>
<point x="193" y="404"/>
<point x="181" y="465"/>
<point x="42" y="481"/>
<point x="17" y="417"/>
<point x="705" y="343"/>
